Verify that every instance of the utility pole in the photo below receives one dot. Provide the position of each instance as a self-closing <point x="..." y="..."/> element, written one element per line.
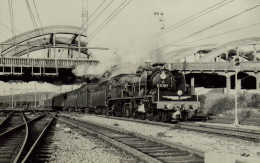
<point x="35" y="95"/>
<point x="84" y="12"/>
<point x="237" y="67"/>
<point x="4" y="97"/>
<point x="12" y="105"/>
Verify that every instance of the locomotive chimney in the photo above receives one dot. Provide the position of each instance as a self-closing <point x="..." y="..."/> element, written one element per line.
<point x="158" y="65"/>
<point x="148" y="64"/>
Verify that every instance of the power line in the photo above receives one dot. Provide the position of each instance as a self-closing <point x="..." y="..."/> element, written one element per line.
<point x="10" y="4"/>
<point x="189" y="19"/>
<point x="39" y="19"/>
<point x="223" y="33"/>
<point x="33" y="21"/>
<point x="112" y="16"/>
<point x="90" y="17"/>
<point x="8" y="28"/>
<point x="99" y="15"/>
<point x="174" y="25"/>
<point x="95" y="10"/>
<point x="218" y="23"/>
<point x="207" y="28"/>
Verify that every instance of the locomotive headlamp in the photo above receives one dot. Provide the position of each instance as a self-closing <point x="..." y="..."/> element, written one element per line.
<point x="163" y="75"/>
<point x="169" y="106"/>
<point x="179" y="93"/>
<point x="195" y="106"/>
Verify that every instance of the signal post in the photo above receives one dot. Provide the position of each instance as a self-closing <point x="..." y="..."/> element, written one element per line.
<point x="237" y="68"/>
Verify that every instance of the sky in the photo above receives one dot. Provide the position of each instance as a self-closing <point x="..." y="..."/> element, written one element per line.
<point x="131" y="33"/>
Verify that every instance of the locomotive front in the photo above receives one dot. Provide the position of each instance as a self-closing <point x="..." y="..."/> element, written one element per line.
<point x="172" y="96"/>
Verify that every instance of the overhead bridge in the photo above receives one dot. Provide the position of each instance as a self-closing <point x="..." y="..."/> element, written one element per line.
<point x="196" y="67"/>
<point x="220" y="74"/>
<point x="38" y="66"/>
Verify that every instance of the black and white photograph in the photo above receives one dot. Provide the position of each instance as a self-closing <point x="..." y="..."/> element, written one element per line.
<point x="130" y="81"/>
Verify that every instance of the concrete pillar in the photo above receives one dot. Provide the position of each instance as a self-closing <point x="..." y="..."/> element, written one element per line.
<point x="238" y="85"/>
<point x="79" y="46"/>
<point x="257" y="76"/>
<point x="237" y="52"/>
<point x="192" y="86"/>
<point x="1" y="51"/>
<point x="27" y="50"/>
<point x="226" y="56"/>
<point x="54" y="45"/>
<point x="254" y="53"/>
<point x="228" y="84"/>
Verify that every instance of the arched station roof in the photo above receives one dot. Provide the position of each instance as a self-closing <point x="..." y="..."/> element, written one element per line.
<point x="32" y="35"/>
<point x="229" y="46"/>
<point x="185" y="52"/>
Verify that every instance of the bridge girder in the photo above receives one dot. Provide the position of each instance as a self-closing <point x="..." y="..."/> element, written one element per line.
<point x="61" y="42"/>
<point x="21" y="39"/>
<point x="229" y="46"/>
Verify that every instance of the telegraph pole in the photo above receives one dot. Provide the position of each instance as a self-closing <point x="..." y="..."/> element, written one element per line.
<point x="236" y="123"/>
<point x="12" y="96"/>
<point x="35" y="95"/>
<point x="237" y="67"/>
<point x="4" y="97"/>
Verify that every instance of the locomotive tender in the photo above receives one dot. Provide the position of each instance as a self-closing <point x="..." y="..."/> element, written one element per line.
<point x="153" y="92"/>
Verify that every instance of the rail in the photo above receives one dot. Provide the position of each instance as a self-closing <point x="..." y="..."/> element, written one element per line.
<point x="143" y="147"/>
<point x="4" y="121"/>
<point x="24" y="142"/>
<point x="40" y="137"/>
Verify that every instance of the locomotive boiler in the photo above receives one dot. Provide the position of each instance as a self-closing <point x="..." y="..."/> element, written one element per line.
<point x="153" y="92"/>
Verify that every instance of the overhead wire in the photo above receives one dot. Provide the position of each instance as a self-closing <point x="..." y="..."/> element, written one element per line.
<point x="39" y="19"/>
<point x="109" y="18"/>
<point x="207" y="28"/>
<point x="223" y="33"/>
<point x="95" y="11"/>
<point x="98" y="15"/>
<point x="34" y="22"/>
<point x="76" y="33"/>
<point x="216" y="24"/>
<point x="10" y="4"/>
<point x="194" y="17"/>
<point x="90" y="17"/>
<point x="8" y="28"/>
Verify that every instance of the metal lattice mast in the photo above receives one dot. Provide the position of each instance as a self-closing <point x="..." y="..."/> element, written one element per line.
<point x="84" y="16"/>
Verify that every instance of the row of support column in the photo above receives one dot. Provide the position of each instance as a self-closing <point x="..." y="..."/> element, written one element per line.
<point x="218" y="58"/>
<point x="228" y="82"/>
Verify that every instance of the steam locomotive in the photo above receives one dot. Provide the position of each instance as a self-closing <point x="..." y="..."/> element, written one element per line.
<point x="153" y="92"/>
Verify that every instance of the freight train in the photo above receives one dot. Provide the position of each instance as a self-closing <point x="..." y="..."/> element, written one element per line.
<point x="153" y="92"/>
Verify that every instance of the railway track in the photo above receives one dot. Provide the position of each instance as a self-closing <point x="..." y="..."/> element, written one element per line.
<point x="144" y="148"/>
<point x="11" y="121"/>
<point x="248" y="134"/>
<point x="241" y="133"/>
<point x="20" y="140"/>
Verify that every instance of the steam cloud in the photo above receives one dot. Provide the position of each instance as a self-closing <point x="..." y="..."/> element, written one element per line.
<point x="124" y="61"/>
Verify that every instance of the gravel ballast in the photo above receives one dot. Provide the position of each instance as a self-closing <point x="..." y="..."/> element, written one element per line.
<point x="73" y="146"/>
<point x="209" y="143"/>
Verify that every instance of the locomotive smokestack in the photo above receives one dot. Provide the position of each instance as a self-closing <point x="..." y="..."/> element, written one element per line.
<point x="148" y="64"/>
<point x="158" y="65"/>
